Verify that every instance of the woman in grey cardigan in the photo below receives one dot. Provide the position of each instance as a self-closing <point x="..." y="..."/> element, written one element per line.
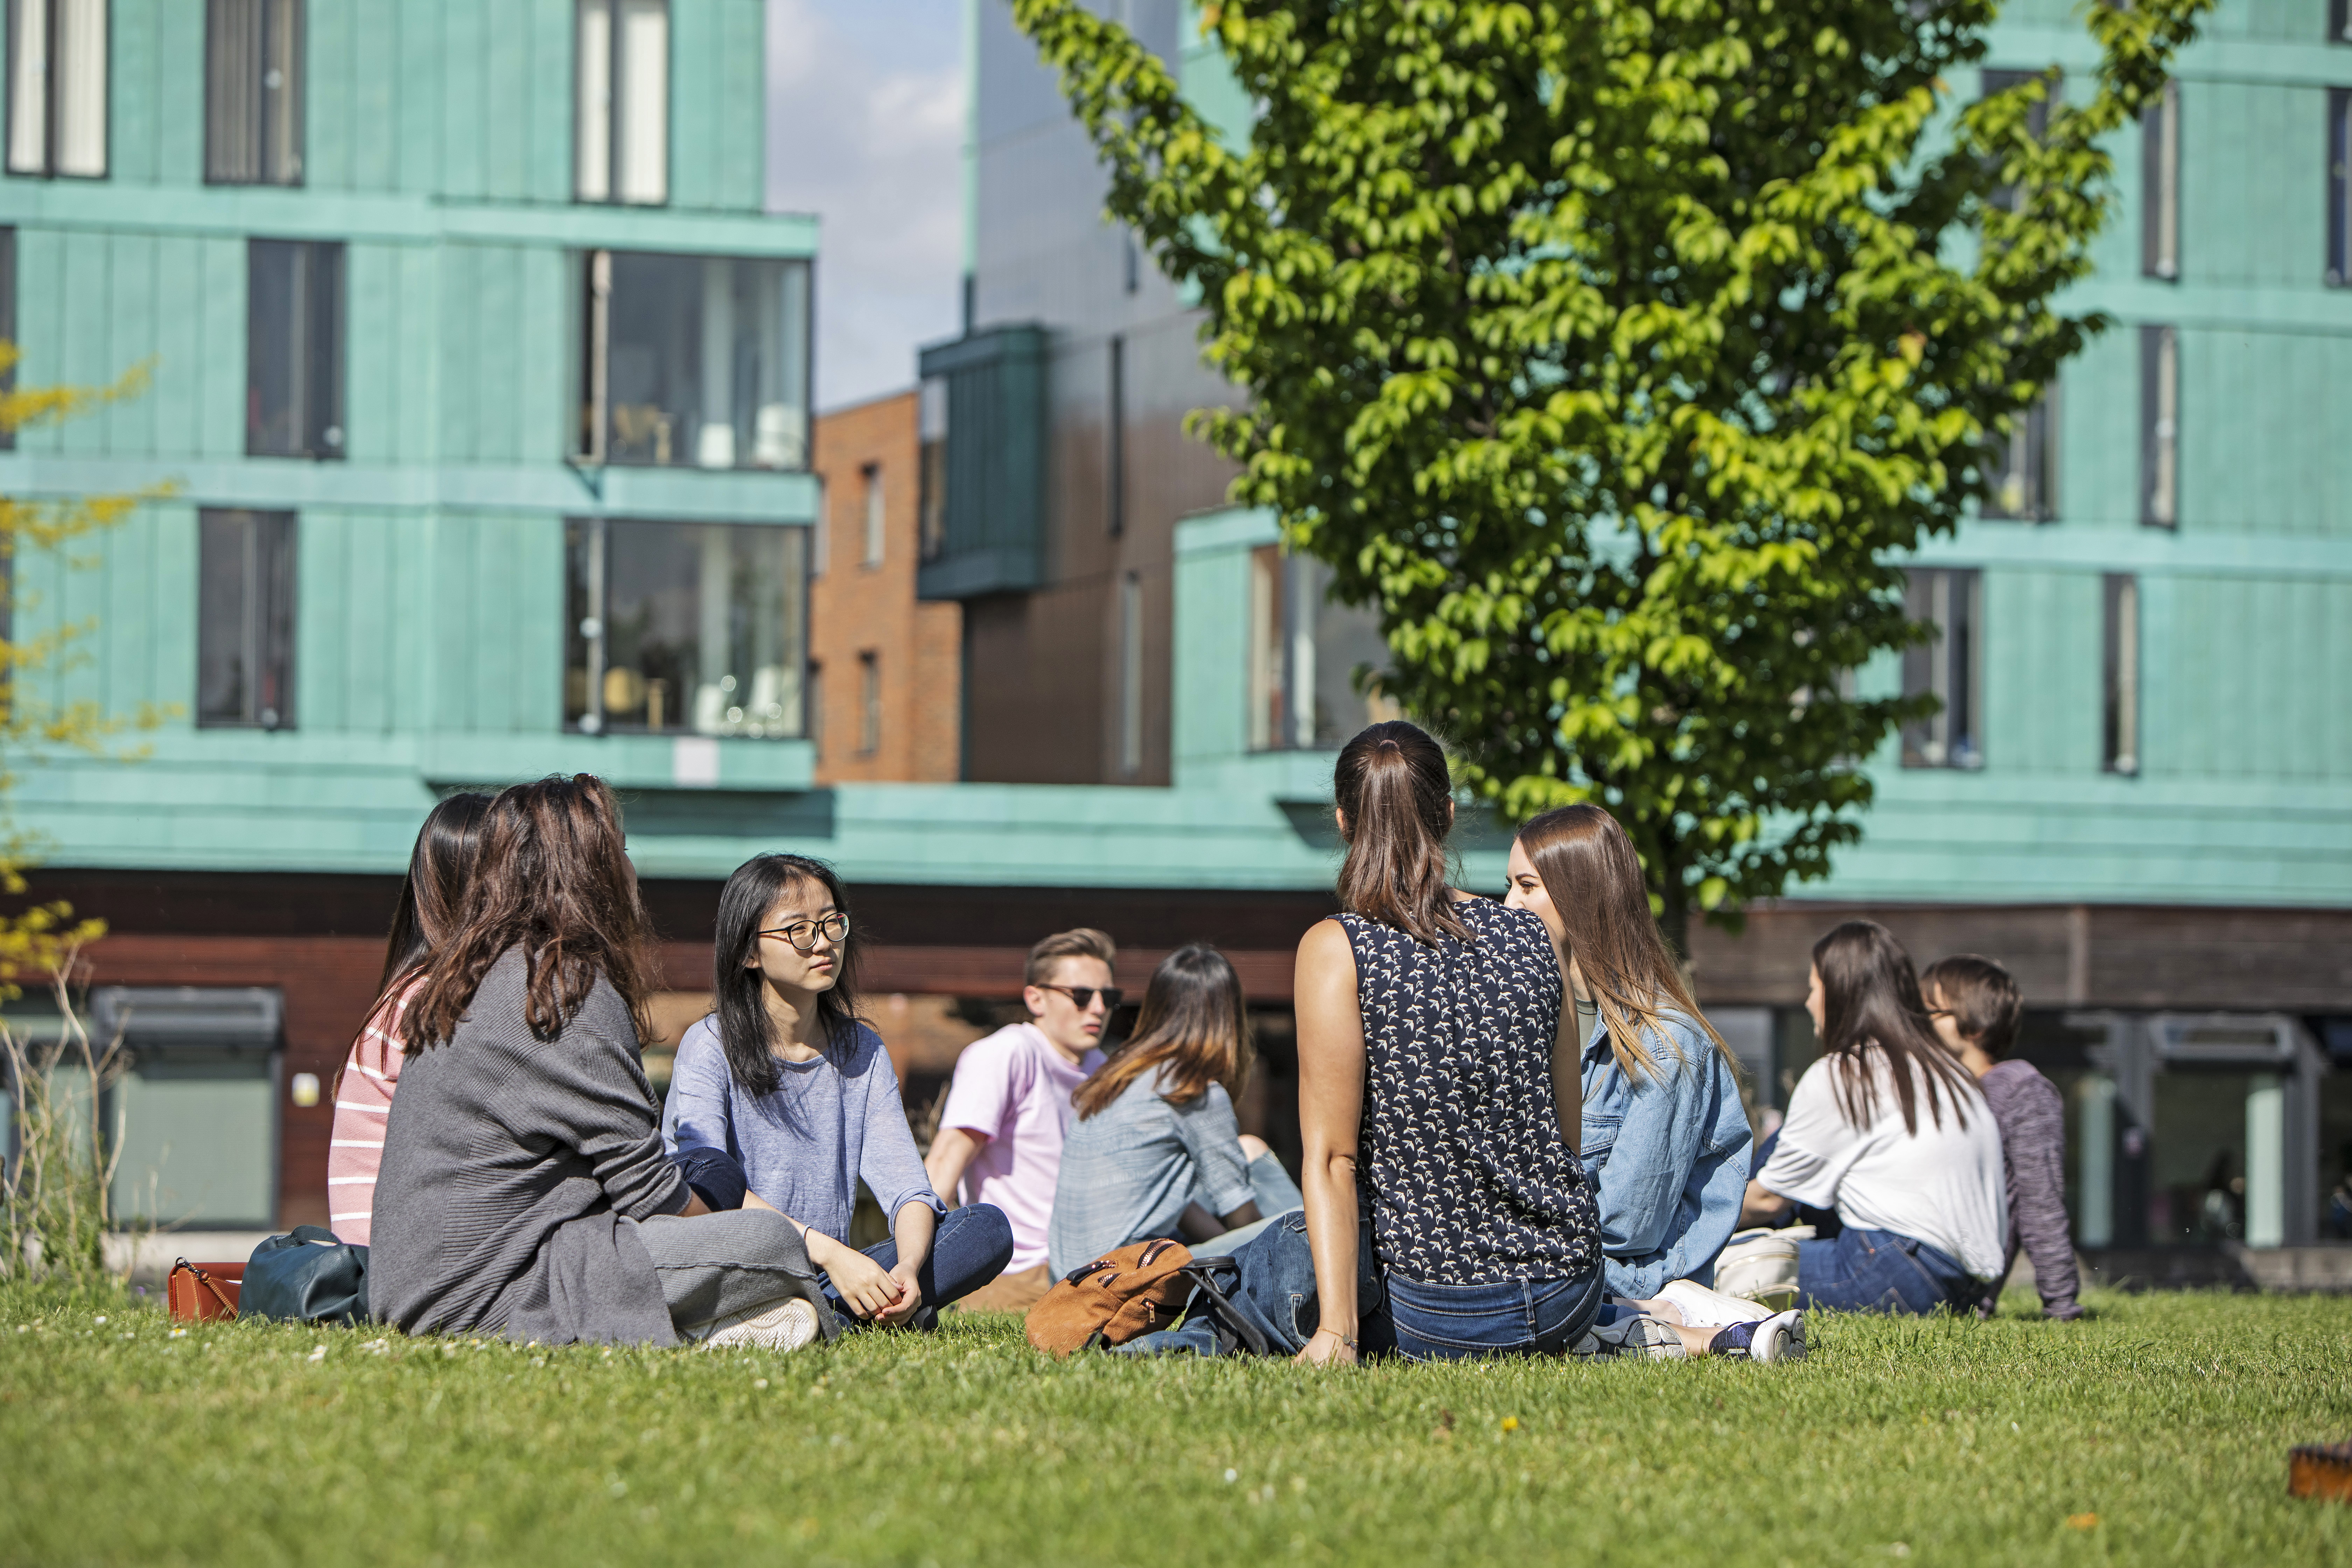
<point x="524" y="1189"/>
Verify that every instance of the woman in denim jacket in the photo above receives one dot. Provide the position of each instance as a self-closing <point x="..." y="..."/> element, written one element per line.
<point x="1664" y="1134"/>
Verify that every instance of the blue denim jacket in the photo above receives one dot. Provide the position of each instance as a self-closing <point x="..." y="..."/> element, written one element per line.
<point x="1668" y="1158"/>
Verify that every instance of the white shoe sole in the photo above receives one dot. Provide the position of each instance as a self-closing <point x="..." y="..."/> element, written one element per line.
<point x="785" y="1326"/>
<point x="1780" y="1337"/>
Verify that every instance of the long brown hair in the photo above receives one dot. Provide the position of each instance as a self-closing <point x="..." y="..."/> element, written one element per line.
<point x="1194" y="1021"/>
<point x="1593" y="877"/>
<point x="555" y="880"/>
<point x="1393" y="786"/>
<point x="432" y="896"/>
<point x="1872" y="1003"/>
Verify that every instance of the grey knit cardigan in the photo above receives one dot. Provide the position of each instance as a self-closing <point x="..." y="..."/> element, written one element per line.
<point x="509" y="1165"/>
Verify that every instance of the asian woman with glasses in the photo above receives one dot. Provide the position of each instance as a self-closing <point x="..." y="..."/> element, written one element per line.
<point x="783" y="1098"/>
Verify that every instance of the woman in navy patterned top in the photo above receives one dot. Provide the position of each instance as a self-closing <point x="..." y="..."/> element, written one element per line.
<point x="1438" y="1098"/>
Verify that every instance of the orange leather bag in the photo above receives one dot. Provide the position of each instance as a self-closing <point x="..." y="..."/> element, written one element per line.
<point x="201" y="1295"/>
<point x="1135" y="1290"/>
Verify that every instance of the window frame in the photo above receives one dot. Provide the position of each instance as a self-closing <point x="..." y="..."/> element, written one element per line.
<point x="615" y="106"/>
<point x="2159" y="425"/>
<point x="52" y="116"/>
<point x="873" y="517"/>
<point x="2338" y="166"/>
<point x="291" y="175"/>
<point x="2339" y="21"/>
<point x="1115" y="440"/>
<point x="322" y="438"/>
<point x="2120" y="639"/>
<point x="2160" y="224"/>
<point x="1130" y="674"/>
<point x="587" y="624"/>
<point x="593" y="444"/>
<point x="269" y="616"/>
<point x="1937" y="667"/>
<point x="869" y="702"/>
<point x="2037" y="427"/>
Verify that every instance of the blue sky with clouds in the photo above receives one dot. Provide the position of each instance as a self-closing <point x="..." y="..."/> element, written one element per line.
<point x="866" y="120"/>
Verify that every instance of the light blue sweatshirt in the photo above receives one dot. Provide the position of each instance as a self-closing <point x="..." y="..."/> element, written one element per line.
<point x="805" y="1147"/>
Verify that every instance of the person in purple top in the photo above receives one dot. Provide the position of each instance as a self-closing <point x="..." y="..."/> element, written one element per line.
<point x="1976" y="1007"/>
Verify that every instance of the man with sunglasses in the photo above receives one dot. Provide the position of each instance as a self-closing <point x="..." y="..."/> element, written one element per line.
<point x="1008" y="1109"/>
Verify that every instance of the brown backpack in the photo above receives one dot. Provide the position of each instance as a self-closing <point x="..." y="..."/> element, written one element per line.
<point x="1133" y="1291"/>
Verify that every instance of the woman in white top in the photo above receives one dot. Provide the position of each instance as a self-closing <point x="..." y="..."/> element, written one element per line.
<point x="1888" y="1129"/>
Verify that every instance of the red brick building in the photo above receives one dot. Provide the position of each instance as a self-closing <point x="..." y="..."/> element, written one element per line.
<point x="885" y="671"/>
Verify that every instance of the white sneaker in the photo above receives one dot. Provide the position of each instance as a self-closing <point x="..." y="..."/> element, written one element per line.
<point x="785" y="1325"/>
<point x="1762" y="1267"/>
<point x="1780" y="1337"/>
<point x="1703" y="1308"/>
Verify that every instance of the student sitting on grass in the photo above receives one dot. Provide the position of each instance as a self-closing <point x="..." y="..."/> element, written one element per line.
<point x="1447" y="1214"/>
<point x="524" y="1189"/>
<point x="1155" y="1150"/>
<point x="785" y="1085"/>
<point x="1976" y="1008"/>
<point x="1664" y="1137"/>
<point x="1894" y="1135"/>
<point x="1008" y="1107"/>
<point x="439" y="869"/>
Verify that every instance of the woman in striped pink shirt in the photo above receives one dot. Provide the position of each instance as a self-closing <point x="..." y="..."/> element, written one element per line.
<point x="431" y="902"/>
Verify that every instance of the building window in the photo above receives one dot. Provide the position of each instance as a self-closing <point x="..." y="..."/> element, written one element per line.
<point x="869" y="493"/>
<point x="932" y="432"/>
<point x="1313" y="664"/>
<point x="253" y="92"/>
<point x="2160" y="185"/>
<point x="244" y="620"/>
<point x="2340" y="187"/>
<point x="2120" y="754"/>
<point x="695" y="362"/>
<point x="2159" y="427"/>
<point x="1114" y="442"/>
<point x="2037" y="116"/>
<point x="687" y="627"/>
<point x="2023" y="479"/>
<point x="1945" y="667"/>
<point x="869" y="704"/>
<point x="57" y="88"/>
<point x="821" y="537"/>
<point x="622" y="134"/>
<point x="2339" y="21"/>
<point x="294" y="349"/>
<point x="815" y="704"/>
<point x="1130" y="674"/>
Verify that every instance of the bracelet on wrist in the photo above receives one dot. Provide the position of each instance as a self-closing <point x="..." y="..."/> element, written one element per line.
<point x="1346" y="1339"/>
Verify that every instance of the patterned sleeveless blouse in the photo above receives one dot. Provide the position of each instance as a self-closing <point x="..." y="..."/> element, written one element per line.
<point x="1465" y="1173"/>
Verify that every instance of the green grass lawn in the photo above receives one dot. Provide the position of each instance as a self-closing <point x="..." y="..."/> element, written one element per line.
<point x="2155" y="1433"/>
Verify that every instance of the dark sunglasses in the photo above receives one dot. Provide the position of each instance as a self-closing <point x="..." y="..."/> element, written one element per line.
<point x="803" y="935"/>
<point x="1083" y="996"/>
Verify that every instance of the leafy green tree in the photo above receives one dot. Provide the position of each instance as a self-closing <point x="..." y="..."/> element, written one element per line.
<point x="1616" y="349"/>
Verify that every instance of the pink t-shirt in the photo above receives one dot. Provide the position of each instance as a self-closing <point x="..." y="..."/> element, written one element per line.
<point x="1013" y="1089"/>
<point x="362" y="1097"/>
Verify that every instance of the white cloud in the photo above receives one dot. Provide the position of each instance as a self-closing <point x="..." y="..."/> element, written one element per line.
<point x="866" y="125"/>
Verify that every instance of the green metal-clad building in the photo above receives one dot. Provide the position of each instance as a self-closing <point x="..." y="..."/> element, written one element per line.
<point x="483" y="380"/>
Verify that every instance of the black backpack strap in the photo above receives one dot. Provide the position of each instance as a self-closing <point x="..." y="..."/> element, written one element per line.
<point x="1231" y="1324"/>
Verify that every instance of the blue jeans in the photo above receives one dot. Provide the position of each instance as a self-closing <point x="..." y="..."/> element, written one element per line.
<point x="1269" y="1289"/>
<point x="1510" y="1317"/>
<point x="971" y="1248"/>
<point x="1879" y="1271"/>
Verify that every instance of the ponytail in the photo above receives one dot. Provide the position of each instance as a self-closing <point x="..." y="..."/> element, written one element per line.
<point x="1393" y="786"/>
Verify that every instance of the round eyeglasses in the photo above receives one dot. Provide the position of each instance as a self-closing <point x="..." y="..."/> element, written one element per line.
<point x="803" y="935"/>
